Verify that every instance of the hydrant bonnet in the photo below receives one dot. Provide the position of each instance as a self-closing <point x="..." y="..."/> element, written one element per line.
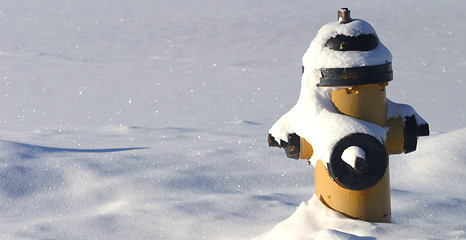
<point x="355" y="75"/>
<point x="348" y="54"/>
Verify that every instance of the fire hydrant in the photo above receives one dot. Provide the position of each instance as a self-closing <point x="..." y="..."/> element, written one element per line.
<point x="343" y="122"/>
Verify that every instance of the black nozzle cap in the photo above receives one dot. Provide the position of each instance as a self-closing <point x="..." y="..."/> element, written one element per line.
<point x="272" y="141"/>
<point x="423" y="130"/>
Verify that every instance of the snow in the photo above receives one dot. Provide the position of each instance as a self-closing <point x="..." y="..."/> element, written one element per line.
<point x="395" y="110"/>
<point x="351" y="154"/>
<point x="313" y="220"/>
<point x="318" y="56"/>
<point x="148" y="120"/>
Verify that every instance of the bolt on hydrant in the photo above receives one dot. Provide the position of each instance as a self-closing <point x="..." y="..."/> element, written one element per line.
<point x="343" y="122"/>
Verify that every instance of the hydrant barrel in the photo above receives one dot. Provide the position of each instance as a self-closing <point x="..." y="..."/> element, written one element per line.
<point x="371" y="205"/>
<point x="365" y="102"/>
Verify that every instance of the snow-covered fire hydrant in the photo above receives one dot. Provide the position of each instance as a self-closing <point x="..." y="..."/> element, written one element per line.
<point x="344" y="123"/>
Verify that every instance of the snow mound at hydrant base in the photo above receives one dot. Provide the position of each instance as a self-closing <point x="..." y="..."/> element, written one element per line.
<point x="315" y="221"/>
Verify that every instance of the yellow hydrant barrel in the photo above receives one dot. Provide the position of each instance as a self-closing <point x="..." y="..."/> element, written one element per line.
<point x="368" y="103"/>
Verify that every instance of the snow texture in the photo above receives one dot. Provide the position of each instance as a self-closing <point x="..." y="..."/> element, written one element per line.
<point x="148" y="119"/>
<point x="350" y="155"/>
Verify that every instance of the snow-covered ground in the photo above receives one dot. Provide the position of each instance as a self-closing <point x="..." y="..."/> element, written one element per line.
<point x="148" y="119"/>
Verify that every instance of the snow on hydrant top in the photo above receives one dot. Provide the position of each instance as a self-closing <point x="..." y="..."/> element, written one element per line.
<point x="319" y="56"/>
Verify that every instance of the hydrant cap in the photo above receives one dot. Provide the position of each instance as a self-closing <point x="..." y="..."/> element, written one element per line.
<point x="348" y="53"/>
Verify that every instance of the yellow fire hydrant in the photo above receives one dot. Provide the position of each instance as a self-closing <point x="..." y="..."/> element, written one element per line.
<point x="353" y="177"/>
